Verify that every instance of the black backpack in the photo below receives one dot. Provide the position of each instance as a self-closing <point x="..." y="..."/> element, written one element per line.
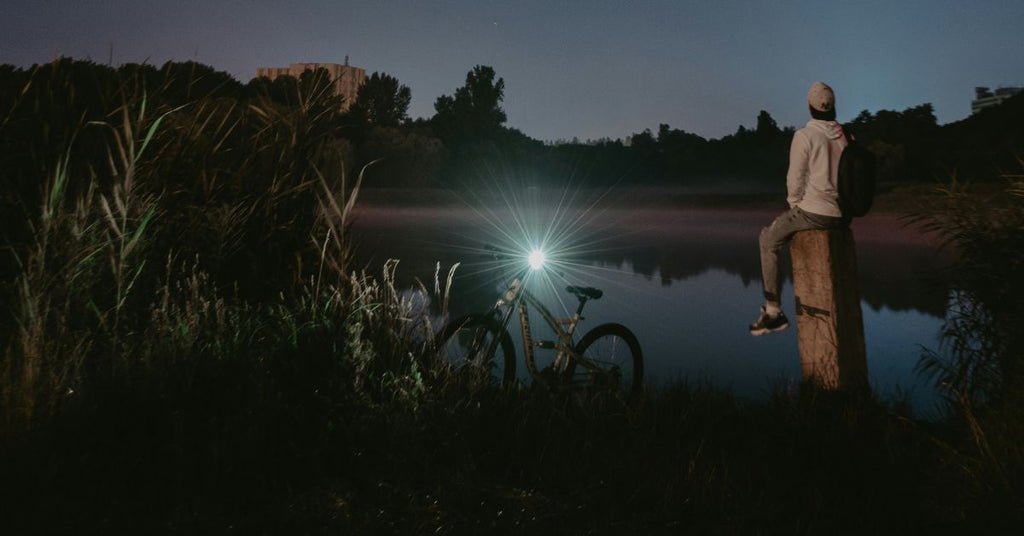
<point x="856" y="180"/>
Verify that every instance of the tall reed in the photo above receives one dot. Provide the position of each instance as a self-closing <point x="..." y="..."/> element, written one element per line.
<point x="43" y="356"/>
<point x="980" y="365"/>
<point x="206" y="228"/>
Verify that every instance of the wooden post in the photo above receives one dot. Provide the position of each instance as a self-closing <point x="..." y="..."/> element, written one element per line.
<point x="829" y="322"/>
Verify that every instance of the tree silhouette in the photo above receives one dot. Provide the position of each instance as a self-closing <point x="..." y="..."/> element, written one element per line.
<point x="475" y="109"/>
<point x="381" y="101"/>
<point x="903" y="141"/>
<point x="766" y="125"/>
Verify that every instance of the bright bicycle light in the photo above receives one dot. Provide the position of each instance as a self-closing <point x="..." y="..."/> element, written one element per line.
<point x="536" y="259"/>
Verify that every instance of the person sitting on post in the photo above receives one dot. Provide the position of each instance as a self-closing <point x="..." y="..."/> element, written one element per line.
<point x="811" y="194"/>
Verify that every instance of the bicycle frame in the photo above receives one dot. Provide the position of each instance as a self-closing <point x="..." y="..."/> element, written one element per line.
<point x="603" y="356"/>
<point x="518" y="298"/>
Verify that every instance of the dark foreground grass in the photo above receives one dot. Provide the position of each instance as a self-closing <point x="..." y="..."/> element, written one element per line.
<point x="217" y="450"/>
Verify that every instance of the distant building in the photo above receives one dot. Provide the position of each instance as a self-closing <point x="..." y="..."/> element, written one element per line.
<point x="347" y="79"/>
<point x="983" y="98"/>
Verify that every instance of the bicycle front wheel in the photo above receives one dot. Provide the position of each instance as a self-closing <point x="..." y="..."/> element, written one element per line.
<point x="468" y="344"/>
<point x="609" y="356"/>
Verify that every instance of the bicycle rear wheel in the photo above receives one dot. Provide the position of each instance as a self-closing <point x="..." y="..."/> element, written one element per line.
<point x="609" y="357"/>
<point x="465" y="343"/>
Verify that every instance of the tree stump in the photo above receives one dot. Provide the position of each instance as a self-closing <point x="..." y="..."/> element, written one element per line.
<point x="829" y="322"/>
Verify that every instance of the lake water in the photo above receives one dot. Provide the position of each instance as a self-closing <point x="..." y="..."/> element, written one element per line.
<point x="686" y="280"/>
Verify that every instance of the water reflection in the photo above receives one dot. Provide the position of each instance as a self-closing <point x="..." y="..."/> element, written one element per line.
<point x="688" y="283"/>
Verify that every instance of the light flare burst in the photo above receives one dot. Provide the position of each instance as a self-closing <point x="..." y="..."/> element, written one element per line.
<point x="536" y="259"/>
<point x="555" y="233"/>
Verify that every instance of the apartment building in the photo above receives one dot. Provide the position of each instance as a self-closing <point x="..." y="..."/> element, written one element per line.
<point x="984" y="98"/>
<point x="347" y="79"/>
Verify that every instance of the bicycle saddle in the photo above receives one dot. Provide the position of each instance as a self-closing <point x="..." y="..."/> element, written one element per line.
<point x="585" y="292"/>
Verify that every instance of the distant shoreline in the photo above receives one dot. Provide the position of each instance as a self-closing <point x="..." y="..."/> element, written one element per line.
<point x="891" y="199"/>
<point x="658" y="210"/>
<point x="655" y="195"/>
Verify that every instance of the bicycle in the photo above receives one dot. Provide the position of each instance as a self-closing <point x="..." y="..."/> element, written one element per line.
<point x="606" y="357"/>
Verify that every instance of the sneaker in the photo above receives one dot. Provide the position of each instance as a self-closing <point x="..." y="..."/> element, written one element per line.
<point x="767" y="324"/>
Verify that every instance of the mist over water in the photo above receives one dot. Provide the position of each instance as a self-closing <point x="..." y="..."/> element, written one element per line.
<point x="685" y="280"/>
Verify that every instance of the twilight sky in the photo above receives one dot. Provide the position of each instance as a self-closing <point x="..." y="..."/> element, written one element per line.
<point x="589" y="69"/>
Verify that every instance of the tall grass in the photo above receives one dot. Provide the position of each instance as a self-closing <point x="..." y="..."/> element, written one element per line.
<point x="185" y="301"/>
<point x="195" y="216"/>
<point x="46" y="351"/>
<point x="980" y="365"/>
<point x="982" y="331"/>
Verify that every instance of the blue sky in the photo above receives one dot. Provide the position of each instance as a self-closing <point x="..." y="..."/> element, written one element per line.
<point x="571" y="68"/>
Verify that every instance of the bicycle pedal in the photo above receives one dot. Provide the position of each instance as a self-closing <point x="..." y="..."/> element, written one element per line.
<point x="547" y="345"/>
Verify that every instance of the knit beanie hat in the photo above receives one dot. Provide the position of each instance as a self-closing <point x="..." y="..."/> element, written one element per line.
<point x="821" y="97"/>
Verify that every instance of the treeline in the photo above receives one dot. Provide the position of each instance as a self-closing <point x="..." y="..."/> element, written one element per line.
<point x="466" y="141"/>
<point x="910" y="146"/>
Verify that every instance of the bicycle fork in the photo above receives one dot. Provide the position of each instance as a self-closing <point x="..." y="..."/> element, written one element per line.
<point x="512" y="298"/>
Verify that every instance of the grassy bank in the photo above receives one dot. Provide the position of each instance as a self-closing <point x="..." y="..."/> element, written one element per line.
<point x="218" y="453"/>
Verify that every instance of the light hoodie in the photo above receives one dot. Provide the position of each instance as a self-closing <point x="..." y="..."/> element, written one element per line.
<point x="813" y="167"/>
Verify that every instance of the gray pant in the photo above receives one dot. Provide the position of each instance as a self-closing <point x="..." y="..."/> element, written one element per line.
<point x="777" y="235"/>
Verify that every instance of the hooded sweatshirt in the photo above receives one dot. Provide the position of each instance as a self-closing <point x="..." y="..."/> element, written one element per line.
<point x="813" y="167"/>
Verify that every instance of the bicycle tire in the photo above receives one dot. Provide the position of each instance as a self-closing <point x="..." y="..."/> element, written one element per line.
<point x="459" y="342"/>
<point x="614" y="349"/>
